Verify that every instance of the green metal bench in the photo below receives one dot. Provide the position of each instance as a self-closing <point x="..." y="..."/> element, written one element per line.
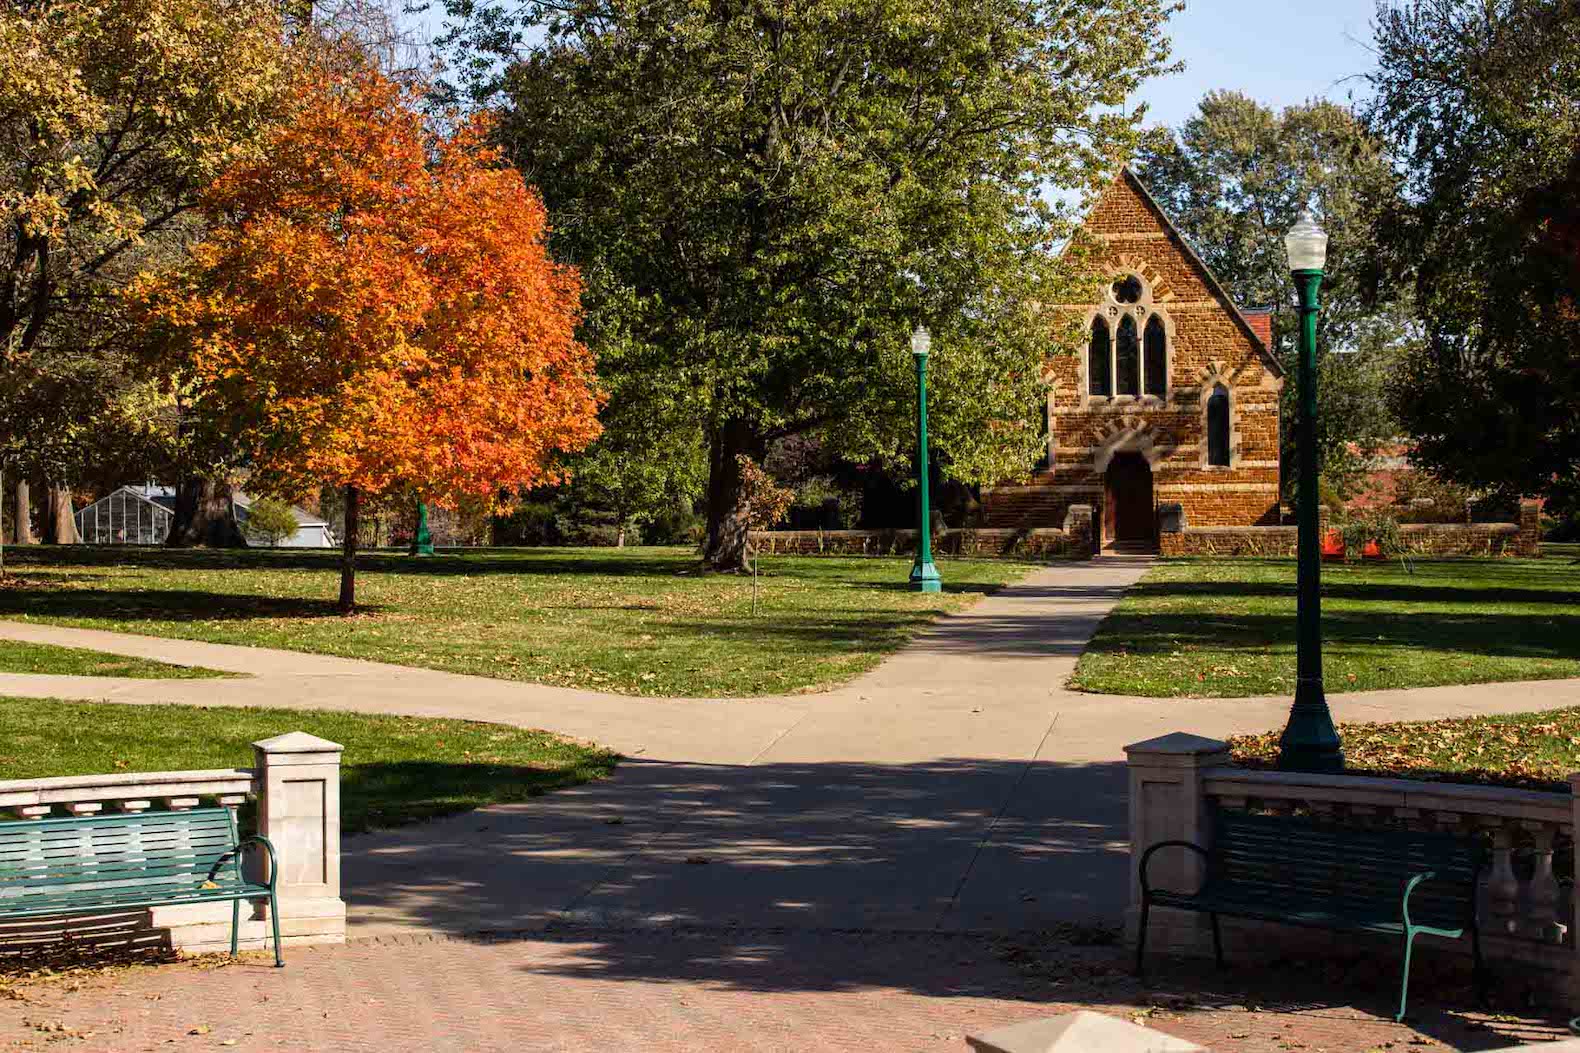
<point x="94" y="864"/>
<point x="1302" y="871"/>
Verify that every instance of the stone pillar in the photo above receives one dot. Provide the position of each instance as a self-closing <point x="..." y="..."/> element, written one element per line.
<point x="1528" y="542"/>
<point x="298" y="788"/>
<point x="1168" y="803"/>
<point x="1078" y="525"/>
<point x="299" y="811"/>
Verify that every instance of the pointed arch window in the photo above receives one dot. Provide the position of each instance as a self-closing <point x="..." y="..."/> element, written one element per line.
<point x="1127" y="359"/>
<point x="1155" y="344"/>
<point x="1218" y="426"/>
<point x="1099" y="364"/>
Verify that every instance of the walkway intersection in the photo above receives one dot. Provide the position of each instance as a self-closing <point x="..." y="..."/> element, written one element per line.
<point x="958" y="790"/>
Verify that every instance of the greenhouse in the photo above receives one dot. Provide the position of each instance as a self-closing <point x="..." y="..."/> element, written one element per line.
<point x="124" y="517"/>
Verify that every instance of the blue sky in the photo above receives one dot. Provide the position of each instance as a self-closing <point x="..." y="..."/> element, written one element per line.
<point x="1278" y="52"/>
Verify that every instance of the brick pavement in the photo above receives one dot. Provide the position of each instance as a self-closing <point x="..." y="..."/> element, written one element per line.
<point x="659" y="990"/>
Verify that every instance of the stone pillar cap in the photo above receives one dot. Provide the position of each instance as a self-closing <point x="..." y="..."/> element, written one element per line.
<point x="1180" y="743"/>
<point x="298" y="742"/>
<point x="1080" y="1032"/>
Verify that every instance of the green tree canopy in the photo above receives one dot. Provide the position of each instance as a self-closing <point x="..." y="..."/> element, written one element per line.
<point x="1236" y="177"/>
<point x="772" y="196"/>
<point x="1478" y="98"/>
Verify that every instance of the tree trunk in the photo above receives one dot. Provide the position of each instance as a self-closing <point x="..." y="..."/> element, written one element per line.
<point x="728" y="528"/>
<point x="60" y="526"/>
<point x="205" y="516"/>
<point x="348" y="552"/>
<point x="22" y="523"/>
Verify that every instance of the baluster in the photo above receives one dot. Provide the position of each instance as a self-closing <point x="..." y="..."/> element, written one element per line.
<point x="35" y="811"/>
<point x="180" y="804"/>
<point x="1542" y="891"/>
<point x="1232" y="804"/>
<point x="1503" y="888"/>
<point x="135" y="807"/>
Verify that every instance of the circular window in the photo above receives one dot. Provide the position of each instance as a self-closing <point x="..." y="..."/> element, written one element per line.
<point x="1127" y="289"/>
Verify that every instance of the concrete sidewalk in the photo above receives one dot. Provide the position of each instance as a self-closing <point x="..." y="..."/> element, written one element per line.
<point x="957" y="787"/>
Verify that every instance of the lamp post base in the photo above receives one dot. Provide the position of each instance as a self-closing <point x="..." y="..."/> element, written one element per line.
<point x="924" y="577"/>
<point x="1310" y="742"/>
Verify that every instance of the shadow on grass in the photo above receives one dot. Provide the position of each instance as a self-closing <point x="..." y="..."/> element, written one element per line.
<point x="173" y="605"/>
<point x="395" y="793"/>
<point x="1478" y="634"/>
<point x="1562" y="591"/>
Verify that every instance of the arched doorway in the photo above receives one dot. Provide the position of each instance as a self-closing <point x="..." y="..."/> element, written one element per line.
<point x="1128" y="513"/>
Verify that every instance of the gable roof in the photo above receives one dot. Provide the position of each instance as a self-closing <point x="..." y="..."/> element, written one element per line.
<point x="1194" y="259"/>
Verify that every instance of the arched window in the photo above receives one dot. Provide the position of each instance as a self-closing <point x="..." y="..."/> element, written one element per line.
<point x="1098" y="363"/>
<point x="1156" y="347"/>
<point x="1127" y="358"/>
<point x="1218" y="426"/>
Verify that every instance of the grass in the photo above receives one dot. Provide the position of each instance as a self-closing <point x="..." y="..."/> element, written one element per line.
<point x="396" y="769"/>
<point x="1226" y="628"/>
<point x="633" y="621"/>
<point x="17" y="656"/>
<point x="1536" y="751"/>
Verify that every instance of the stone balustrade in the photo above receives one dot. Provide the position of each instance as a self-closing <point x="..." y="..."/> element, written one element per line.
<point x="1527" y="913"/>
<point x="296" y="785"/>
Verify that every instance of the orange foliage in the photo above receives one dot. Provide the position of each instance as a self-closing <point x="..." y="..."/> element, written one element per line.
<point x="375" y="307"/>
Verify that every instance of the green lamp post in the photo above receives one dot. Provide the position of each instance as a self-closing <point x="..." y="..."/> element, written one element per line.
<point x="1310" y="742"/>
<point x="422" y="540"/>
<point x="924" y="575"/>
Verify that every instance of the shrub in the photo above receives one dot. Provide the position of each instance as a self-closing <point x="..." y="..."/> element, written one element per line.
<point x="1421" y="498"/>
<point x="533" y="523"/>
<point x="1373" y="525"/>
<point x="270" y="521"/>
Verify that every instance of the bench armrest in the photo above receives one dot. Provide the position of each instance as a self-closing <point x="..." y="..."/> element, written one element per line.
<point x="274" y="859"/>
<point x="1409" y="887"/>
<point x="1146" y="858"/>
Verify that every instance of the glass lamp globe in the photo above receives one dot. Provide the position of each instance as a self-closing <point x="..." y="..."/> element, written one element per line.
<point x="921" y="341"/>
<point x="1306" y="244"/>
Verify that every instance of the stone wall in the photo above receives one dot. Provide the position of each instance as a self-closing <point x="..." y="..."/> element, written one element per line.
<point x="1423" y="539"/>
<point x="1073" y="540"/>
<point x="1179" y="782"/>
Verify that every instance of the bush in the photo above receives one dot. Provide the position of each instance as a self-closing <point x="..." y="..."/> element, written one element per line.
<point x="534" y="523"/>
<point x="270" y="521"/>
<point x="1372" y="525"/>
<point x="1421" y="498"/>
<point x="677" y="525"/>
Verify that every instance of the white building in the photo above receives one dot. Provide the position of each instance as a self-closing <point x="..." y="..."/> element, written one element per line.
<point x="141" y="515"/>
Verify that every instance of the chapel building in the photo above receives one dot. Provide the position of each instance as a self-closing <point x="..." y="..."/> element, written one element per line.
<point x="1173" y="399"/>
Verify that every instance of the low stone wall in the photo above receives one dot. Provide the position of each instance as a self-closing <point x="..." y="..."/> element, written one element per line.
<point x="1527" y="915"/>
<point x="296" y="786"/>
<point x="1074" y="540"/>
<point x="1423" y="539"/>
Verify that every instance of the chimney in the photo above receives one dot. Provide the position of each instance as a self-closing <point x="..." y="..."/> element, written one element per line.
<point x="1261" y="320"/>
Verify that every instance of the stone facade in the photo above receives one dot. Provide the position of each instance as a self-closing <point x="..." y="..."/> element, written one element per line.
<point x="1141" y="438"/>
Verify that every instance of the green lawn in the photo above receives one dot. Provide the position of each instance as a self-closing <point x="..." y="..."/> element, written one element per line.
<point x="396" y="769"/>
<point x="19" y="657"/>
<point x="635" y="621"/>
<point x="1226" y="628"/>
<point x="1535" y="751"/>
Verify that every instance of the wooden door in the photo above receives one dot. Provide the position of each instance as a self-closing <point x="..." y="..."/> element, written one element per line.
<point x="1128" y="499"/>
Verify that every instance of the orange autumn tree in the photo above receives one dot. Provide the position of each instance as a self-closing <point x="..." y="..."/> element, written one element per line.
<point x="374" y="308"/>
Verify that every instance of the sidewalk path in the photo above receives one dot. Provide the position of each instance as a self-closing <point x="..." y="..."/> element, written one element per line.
<point x="957" y="787"/>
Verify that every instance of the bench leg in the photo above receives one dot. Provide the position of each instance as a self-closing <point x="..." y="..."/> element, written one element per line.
<point x="1217" y="942"/>
<point x="1404" y="978"/>
<point x="1141" y="938"/>
<point x="235" y="924"/>
<point x="1480" y="967"/>
<point x="274" y="921"/>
